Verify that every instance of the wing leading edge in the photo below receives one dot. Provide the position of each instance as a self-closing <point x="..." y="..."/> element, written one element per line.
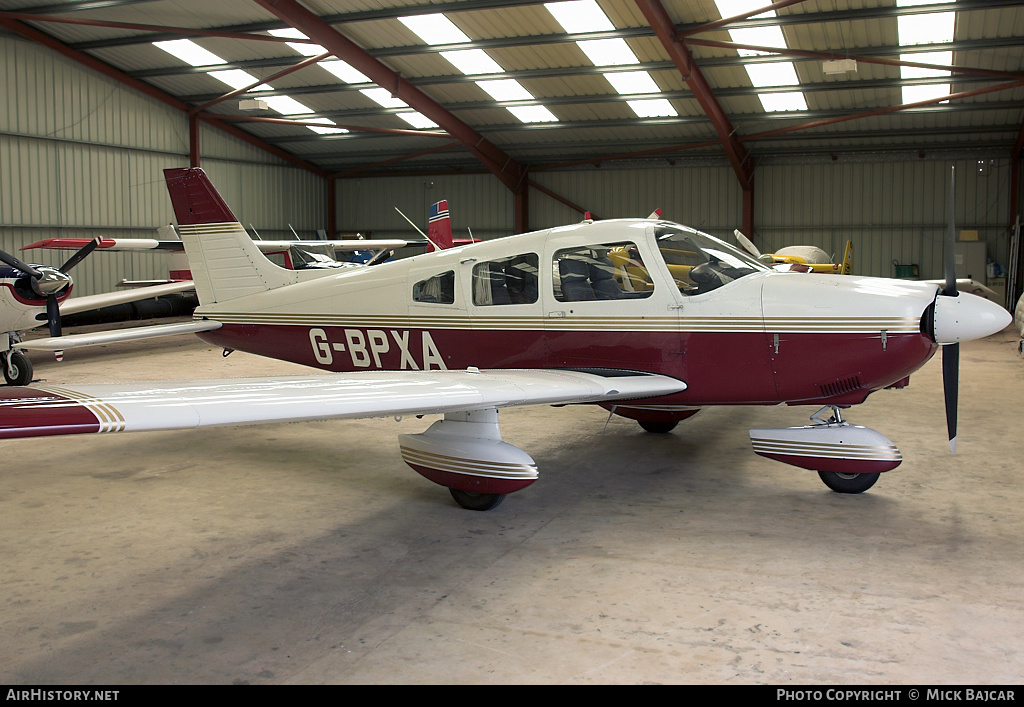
<point x="54" y="410"/>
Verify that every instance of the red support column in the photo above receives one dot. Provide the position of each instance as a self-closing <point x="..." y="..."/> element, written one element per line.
<point x="193" y="139"/>
<point x="332" y="209"/>
<point x="748" y="207"/>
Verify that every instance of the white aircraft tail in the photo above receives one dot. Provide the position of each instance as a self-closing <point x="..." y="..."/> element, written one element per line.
<point x="225" y="262"/>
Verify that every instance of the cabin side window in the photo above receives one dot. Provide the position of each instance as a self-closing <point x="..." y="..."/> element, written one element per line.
<point x="511" y="280"/>
<point x="439" y="289"/>
<point x="608" y="271"/>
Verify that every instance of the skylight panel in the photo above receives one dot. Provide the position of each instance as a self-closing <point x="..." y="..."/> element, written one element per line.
<point x="773" y="74"/>
<point x="472" y="61"/>
<point x="505" y="90"/>
<point x="303" y="49"/>
<point x="533" y="114"/>
<point x="774" y="102"/>
<point x="236" y="79"/>
<point x="434" y="29"/>
<point x="918" y="31"/>
<point x="438" y="29"/>
<point x="628" y="82"/>
<point x="653" y="108"/>
<point x="782" y="73"/>
<point x="343" y="71"/>
<point x="579" y="16"/>
<point x="189" y="52"/>
<point x="417" y="120"/>
<point x="608" y="52"/>
<point x="286" y="105"/>
<point x="930" y="28"/>
<point x="324" y="131"/>
<point x="384" y="98"/>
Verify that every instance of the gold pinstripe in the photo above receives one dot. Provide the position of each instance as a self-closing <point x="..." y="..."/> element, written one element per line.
<point x="838" y="451"/>
<point x="461" y="465"/>
<point x="109" y="417"/>
<point x="855" y="325"/>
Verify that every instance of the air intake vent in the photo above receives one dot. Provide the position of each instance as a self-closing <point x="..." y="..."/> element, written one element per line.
<point x="839" y="387"/>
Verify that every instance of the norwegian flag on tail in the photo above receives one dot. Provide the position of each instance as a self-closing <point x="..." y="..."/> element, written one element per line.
<point x="439" y="227"/>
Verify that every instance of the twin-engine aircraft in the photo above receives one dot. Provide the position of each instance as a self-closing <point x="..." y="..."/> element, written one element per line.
<point x="648" y="318"/>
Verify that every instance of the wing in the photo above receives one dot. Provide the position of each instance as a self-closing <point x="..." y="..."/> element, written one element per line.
<point x="53" y="410"/>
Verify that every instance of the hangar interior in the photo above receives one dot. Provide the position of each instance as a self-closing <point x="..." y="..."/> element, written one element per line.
<point x="304" y="554"/>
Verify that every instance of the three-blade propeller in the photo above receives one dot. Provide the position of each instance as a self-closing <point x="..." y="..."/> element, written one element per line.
<point x="49" y="282"/>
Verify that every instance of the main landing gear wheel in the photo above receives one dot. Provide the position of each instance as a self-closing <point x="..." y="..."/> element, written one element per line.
<point x="659" y="428"/>
<point x="848" y="483"/>
<point x="477" y="501"/>
<point x="17" y="368"/>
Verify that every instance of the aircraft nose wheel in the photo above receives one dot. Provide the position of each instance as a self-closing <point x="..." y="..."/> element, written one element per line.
<point x="17" y="368"/>
<point x="477" y="501"/>
<point x="848" y="483"/>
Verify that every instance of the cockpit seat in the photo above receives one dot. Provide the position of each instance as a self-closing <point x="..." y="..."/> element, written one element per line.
<point x="574" y="276"/>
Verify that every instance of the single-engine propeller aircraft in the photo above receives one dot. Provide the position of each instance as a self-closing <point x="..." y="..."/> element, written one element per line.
<point x="648" y="318"/>
<point x="33" y="295"/>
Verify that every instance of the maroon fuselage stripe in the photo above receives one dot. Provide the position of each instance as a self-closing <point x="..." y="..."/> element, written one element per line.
<point x="27" y="412"/>
<point x="719" y="368"/>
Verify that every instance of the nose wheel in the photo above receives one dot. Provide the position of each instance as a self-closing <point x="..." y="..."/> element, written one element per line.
<point x="848" y="483"/>
<point x="477" y="501"/>
<point x="17" y="368"/>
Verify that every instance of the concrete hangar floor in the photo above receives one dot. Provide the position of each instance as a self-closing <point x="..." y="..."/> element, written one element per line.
<point x="309" y="553"/>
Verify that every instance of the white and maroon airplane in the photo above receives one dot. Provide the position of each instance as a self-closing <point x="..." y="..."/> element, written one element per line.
<point x="648" y="318"/>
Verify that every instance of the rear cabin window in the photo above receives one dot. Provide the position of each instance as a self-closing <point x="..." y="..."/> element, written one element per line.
<point x="439" y="289"/>
<point x="609" y="271"/>
<point x="511" y="280"/>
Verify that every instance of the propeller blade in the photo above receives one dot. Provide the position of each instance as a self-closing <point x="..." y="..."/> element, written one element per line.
<point x="949" y="256"/>
<point x="746" y="243"/>
<point x="18" y="265"/>
<point x="80" y="255"/>
<point x="53" y="315"/>
<point x="950" y="374"/>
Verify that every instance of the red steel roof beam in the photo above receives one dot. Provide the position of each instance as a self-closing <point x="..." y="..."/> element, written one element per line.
<point x="32" y="17"/>
<point x="510" y="172"/>
<point x="109" y="71"/>
<point x="665" y="30"/>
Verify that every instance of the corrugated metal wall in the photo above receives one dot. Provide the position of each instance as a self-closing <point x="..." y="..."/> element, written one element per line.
<point x="82" y="156"/>
<point x="892" y="207"/>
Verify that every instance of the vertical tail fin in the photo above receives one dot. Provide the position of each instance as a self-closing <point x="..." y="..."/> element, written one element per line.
<point x="439" y="227"/>
<point x="225" y="263"/>
<point x="848" y="259"/>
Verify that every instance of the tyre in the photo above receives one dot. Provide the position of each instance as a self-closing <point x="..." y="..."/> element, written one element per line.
<point x="659" y="428"/>
<point x="477" y="501"/>
<point x="20" y="366"/>
<point x="848" y="483"/>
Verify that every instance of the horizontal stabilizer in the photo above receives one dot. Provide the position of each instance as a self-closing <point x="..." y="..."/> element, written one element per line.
<point x="108" y="299"/>
<point x="74" y="341"/>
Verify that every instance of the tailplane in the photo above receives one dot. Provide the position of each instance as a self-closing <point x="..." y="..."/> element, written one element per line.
<point x="225" y="262"/>
<point x="439" y="227"/>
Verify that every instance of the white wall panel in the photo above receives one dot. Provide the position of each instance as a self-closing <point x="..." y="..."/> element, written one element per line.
<point x="82" y="155"/>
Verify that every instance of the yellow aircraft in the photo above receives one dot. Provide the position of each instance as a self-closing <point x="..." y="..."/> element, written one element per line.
<point x="813" y="257"/>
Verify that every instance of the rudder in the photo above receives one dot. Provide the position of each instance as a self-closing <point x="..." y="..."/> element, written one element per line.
<point x="225" y="262"/>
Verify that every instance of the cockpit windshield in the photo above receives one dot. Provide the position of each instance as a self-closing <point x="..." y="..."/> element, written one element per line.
<point x="701" y="263"/>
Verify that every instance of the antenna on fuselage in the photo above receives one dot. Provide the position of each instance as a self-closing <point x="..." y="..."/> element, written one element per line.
<point x="436" y="247"/>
